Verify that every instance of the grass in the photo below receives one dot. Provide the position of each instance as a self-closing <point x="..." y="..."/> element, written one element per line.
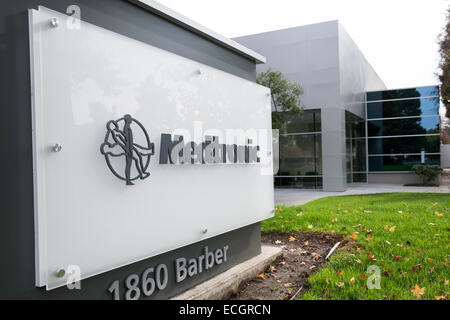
<point x="405" y="235"/>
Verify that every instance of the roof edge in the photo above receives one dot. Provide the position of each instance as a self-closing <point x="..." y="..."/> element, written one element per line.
<point x="177" y="18"/>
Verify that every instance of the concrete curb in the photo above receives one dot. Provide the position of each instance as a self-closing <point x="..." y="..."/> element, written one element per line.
<point x="225" y="284"/>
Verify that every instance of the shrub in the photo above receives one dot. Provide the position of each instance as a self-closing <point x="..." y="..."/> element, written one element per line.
<point x="427" y="172"/>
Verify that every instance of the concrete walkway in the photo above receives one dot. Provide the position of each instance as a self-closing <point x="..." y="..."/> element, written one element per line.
<point x="294" y="197"/>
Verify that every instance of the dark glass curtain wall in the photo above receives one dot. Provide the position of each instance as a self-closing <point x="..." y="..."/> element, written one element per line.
<point x="301" y="152"/>
<point x="401" y="125"/>
<point x="355" y="131"/>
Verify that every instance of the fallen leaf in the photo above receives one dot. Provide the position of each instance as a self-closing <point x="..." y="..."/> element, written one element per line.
<point x="417" y="268"/>
<point x="306" y="243"/>
<point x="392" y="229"/>
<point x="435" y="204"/>
<point x="312" y="267"/>
<point x="358" y="249"/>
<point x="282" y="263"/>
<point x="354" y="236"/>
<point x="278" y="242"/>
<point x="299" y="214"/>
<point x="363" y="276"/>
<point x="430" y="259"/>
<point x="262" y="276"/>
<point x="358" y="261"/>
<point x="287" y="285"/>
<point x="400" y="211"/>
<point x="291" y="239"/>
<point x="418" y="291"/>
<point x="340" y="284"/>
<point x="310" y="226"/>
<point x="272" y="269"/>
<point x="352" y="280"/>
<point x="341" y="272"/>
<point x="327" y="281"/>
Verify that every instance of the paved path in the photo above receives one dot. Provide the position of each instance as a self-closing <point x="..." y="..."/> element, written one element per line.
<point x="293" y="197"/>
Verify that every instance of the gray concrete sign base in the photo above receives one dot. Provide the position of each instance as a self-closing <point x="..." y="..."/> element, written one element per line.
<point x="225" y="284"/>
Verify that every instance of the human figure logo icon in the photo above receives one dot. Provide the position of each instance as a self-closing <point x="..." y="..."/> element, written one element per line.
<point x="120" y="142"/>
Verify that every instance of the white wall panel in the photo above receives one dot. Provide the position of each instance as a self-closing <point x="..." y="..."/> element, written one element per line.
<point x="84" y="77"/>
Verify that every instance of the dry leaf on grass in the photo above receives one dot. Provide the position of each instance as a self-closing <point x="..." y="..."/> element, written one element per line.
<point x="418" y="291"/>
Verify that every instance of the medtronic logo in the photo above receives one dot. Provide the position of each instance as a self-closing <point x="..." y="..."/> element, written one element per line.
<point x="119" y="143"/>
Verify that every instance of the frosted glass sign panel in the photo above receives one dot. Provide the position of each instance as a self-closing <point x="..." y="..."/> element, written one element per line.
<point x="137" y="151"/>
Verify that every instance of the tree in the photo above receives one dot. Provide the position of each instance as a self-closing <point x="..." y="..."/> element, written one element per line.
<point x="444" y="75"/>
<point x="285" y="97"/>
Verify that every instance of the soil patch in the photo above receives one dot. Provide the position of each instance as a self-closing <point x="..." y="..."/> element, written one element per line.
<point x="303" y="254"/>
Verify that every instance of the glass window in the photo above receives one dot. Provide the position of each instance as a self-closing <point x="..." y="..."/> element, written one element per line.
<point x="301" y="155"/>
<point x="399" y="163"/>
<point x="359" y="177"/>
<point x="300" y="182"/>
<point x="355" y="131"/>
<point x="403" y="108"/>
<point x="359" y="155"/>
<point x="402" y="145"/>
<point x="432" y="91"/>
<point x="308" y="121"/>
<point x="405" y="126"/>
<point x="355" y="127"/>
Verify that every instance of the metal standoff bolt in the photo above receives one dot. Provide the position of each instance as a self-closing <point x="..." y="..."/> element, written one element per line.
<point x="57" y="147"/>
<point x="54" y="22"/>
<point x="61" y="273"/>
<point x="205" y="231"/>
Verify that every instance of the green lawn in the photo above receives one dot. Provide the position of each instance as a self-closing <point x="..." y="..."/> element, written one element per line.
<point x="405" y="235"/>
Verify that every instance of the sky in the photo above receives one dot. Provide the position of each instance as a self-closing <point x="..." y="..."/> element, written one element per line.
<point x="398" y="37"/>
